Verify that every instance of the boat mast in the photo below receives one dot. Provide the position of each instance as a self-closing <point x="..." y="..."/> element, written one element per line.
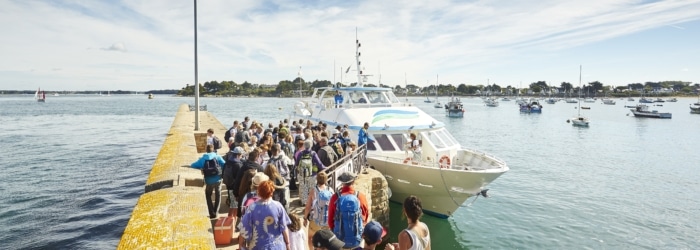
<point x="301" y="95"/>
<point x="580" y="68"/>
<point x="357" y="60"/>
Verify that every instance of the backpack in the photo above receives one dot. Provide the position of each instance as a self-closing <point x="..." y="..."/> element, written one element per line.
<point x="306" y="165"/>
<point x="230" y="171"/>
<point x="211" y="168"/>
<point x="319" y="209"/>
<point x="332" y="156"/>
<point x="217" y="142"/>
<point x="287" y="149"/>
<point x="252" y="198"/>
<point x="338" y="149"/>
<point x="348" y="219"/>
<point x="227" y="135"/>
<point x="281" y="166"/>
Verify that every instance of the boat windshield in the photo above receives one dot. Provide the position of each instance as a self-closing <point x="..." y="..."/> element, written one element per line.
<point x="371" y="97"/>
<point x="395" y="142"/>
<point x="440" y="138"/>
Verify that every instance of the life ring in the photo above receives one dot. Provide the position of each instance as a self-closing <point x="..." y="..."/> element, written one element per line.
<point x="445" y="161"/>
<point x="407" y="160"/>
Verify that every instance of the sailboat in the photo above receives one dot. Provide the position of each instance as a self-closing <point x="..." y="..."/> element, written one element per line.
<point x="695" y="107"/>
<point x="40" y="96"/>
<point x="579" y="120"/>
<point x="437" y="104"/>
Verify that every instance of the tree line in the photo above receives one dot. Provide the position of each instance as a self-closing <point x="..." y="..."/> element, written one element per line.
<point x="298" y="86"/>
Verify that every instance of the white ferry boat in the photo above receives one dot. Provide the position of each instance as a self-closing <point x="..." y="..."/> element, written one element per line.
<point x="444" y="177"/>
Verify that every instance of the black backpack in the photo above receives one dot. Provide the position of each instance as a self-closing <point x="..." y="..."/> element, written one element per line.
<point x="227" y="135"/>
<point x="211" y="168"/>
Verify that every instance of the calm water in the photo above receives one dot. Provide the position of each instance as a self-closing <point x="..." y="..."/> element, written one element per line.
<point x="76" y="165"/>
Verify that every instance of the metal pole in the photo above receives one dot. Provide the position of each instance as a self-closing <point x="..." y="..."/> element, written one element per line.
<point x="196" y="82"/>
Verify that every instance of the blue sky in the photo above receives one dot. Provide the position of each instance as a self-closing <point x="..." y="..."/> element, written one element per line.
<point x="145" y="45"/>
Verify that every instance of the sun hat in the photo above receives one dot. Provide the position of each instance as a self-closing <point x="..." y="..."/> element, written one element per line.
<point x="347" y="177"/>
<point x="325" y="238"/>
<point x="259" y="177"/>
<point x="237" y="150"/>
<point x="374" y="232"/>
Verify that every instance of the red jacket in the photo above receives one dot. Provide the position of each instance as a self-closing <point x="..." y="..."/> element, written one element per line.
<point x="363" y="205"/>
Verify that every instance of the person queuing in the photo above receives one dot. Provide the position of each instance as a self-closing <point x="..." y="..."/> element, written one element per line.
<point x="348" y="212"/>
<point x="210" y="163"/>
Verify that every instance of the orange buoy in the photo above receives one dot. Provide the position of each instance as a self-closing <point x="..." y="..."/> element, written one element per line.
<point x="445" y="161"/>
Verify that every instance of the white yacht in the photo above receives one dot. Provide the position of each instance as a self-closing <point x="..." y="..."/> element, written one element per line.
<point x="444" y="177"/>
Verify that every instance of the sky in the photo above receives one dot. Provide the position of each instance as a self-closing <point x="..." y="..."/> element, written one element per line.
<point x="149" y="45"/>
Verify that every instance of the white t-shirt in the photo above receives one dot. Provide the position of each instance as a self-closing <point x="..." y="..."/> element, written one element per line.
<point x="417" y="146"/>
<point x="210" y="140"/>
<point x="298" y="240"/>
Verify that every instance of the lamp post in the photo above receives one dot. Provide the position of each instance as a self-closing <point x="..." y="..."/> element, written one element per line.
<point x="196" y="83"/>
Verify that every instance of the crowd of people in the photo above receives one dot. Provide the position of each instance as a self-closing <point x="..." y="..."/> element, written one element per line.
<point x="264" y="164"/>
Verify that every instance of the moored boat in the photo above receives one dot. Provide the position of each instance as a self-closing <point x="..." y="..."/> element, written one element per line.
<point x="579" y="120"/>
<point x="695" y="107"/>
<point x="642" y="110"/>
<point x="491" y="102"/>
<point x="533" y="106"/>
<point x="444" y="177"/>
<point x="609" y="101"/>
<point x="454" y="107"/>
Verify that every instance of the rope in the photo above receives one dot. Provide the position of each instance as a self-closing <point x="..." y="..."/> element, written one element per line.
<point x="444" y="183"/>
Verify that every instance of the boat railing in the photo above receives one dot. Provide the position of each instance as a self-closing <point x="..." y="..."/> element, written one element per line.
<point x="354" y="162"/>
<point x="484" y="154"/>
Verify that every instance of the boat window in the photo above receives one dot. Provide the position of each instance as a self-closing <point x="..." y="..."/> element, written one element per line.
<point x="384" y="142"/>
<point x="433" y="137"/>
<point x="371" y="146"/>
<point x="376" y="97"/>
<point x="392" y="97"/>
<point x="447" y="137"/>
<point x="357" y="97"/>
<point x="399" y="139"/>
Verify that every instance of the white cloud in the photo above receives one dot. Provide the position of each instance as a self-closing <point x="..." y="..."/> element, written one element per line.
<point x="116" y="47"/>
<point x="266" y="41"/>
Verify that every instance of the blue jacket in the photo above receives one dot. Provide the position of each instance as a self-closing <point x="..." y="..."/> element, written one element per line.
<point x="199" y="164"/>
<point x="363" y="137"/>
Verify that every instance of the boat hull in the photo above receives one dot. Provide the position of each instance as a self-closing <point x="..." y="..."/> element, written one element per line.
<point x="579" y="121"/>
<point x="441" y="190"/>
<point x="455" y="113"/>
<point x="651" y="114"/>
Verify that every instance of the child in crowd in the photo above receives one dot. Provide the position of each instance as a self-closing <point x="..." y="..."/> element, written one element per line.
<point x="297" y="233"/>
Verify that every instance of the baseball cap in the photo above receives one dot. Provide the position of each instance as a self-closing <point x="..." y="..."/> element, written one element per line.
<point x="374" y="232"/>
<point x="326" y="238"/>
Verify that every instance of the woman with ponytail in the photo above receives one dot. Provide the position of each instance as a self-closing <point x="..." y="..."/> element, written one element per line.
<point x="416" y="236"/>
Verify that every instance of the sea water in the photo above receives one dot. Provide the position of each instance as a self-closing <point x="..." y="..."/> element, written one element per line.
<point x="74" y="167"/>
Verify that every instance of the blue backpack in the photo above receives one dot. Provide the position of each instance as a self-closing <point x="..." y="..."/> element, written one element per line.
<point x="348" y="220"/>
<point x="319" y="210"/>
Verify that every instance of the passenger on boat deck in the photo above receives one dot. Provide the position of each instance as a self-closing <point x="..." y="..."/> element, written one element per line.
<point x="338" y="99"/>
<point x="416" y="148"/>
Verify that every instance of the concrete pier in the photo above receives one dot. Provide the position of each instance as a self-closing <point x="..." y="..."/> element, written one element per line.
<point x="172" y="212"/>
